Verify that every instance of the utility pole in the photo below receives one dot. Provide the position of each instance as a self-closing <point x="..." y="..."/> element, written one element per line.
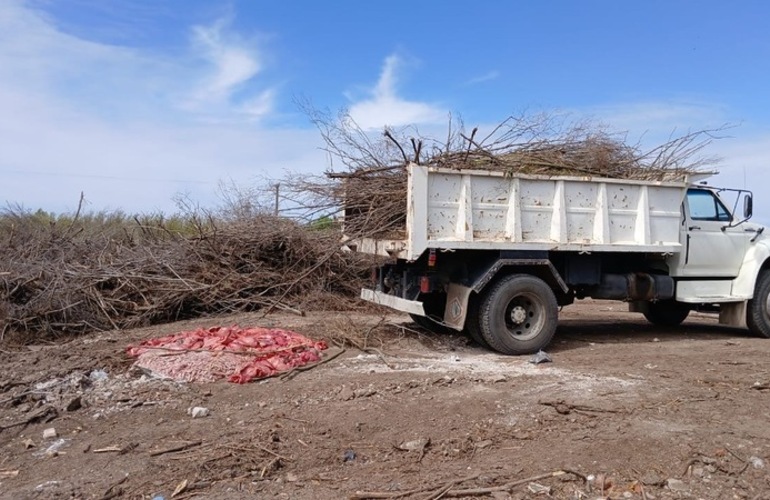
<point x="277" y="196"/>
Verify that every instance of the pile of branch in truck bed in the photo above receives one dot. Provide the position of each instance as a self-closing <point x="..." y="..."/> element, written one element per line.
<point x="372" y="183"/>
<point x="86" y="273"/>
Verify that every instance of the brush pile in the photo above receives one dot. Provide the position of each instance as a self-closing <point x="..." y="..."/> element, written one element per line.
<point x="91" y="274"/>
<point x="373" y="183"/>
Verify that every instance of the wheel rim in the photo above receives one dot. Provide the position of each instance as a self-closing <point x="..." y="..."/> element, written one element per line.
<point x="525" y="316"/>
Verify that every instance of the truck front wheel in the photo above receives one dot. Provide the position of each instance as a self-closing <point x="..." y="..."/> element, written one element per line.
<point x="666" y="313"/>
<point x="518" y="315"/>
<point x="758" y="311"/>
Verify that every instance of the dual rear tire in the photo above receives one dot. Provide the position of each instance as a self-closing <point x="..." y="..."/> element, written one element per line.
<point x="517" y="315"/>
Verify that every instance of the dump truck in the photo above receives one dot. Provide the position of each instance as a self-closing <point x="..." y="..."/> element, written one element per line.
<point x="497" y="254"/>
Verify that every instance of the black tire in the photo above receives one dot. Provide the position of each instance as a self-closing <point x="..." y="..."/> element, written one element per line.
<point x="758" y="310"/>
<point x="473" y="322"/>
<point x="666" y="313"/>
<point x="519" y="315"/>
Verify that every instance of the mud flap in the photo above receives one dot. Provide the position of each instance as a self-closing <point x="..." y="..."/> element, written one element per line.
<point x="456" y="306"/>
<point x="733" y="314"/>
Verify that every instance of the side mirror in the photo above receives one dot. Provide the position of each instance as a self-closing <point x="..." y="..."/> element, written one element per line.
<point x="748" y="206"/>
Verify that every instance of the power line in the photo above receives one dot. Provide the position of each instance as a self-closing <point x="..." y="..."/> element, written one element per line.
<point x="100" y="176"/>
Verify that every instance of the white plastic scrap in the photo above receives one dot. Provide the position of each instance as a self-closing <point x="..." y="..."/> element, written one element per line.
<point x="198" y="412"/>
<point x="540" y="357"/>
<point x="539" y="489"/>
<point x="52" y="450"/>
<point x="98" y="375"/>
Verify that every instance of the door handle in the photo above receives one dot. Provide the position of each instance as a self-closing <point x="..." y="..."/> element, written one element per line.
<point x="693" y="227"/>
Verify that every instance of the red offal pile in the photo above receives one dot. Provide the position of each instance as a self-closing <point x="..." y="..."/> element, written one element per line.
<point x="238" y="354"/>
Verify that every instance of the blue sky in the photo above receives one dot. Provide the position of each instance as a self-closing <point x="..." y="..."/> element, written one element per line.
<point x="134" y="102"/>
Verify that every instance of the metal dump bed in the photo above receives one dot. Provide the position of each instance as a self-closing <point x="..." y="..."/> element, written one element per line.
<point x="474" y="209"/>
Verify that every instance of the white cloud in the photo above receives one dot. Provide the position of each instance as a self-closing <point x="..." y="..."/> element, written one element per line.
<point x="235" y="63"/>
<point x="78" y="115"/>
<point x="742" y="148"/>
<point x="659" y="119"/>
<point x="385" y="108"/>
<point x="486" y="77"/>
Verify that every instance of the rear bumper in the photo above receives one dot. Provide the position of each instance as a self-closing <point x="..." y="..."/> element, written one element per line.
<point x="393" y="302"/>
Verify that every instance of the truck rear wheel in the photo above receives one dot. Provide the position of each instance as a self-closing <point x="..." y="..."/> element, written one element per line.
<point x="758" y="311"/>
<point x="473" y="322"/>
<point x="518" y="315"/>
<point x="666" y="313"/>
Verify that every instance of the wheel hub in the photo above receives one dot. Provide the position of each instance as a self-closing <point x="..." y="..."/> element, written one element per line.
<point x="518" y="315"/>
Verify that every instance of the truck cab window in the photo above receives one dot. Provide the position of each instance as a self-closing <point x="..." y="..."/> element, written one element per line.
<point x="705" y="206"/>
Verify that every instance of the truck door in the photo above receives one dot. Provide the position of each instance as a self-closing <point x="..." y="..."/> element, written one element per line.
<point x="711" y="248"/>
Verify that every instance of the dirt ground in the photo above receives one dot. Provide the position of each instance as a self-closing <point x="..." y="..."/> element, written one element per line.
<point x="625" y="410"/>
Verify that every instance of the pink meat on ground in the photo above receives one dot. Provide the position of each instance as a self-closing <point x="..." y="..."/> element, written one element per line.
<point x="238" y="354"/>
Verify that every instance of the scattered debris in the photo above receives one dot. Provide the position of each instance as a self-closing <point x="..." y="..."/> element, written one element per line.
<point x="757" y="462"/>
<point x="50" y="433"/>
<point x="676" y="484"/>
<point x="115" y="490"/>
<point x="483" y="444"/>
<point x="109" y="449"/>
<point x="7" y="473"/>
<point x="564" y="408"/>
<point x="47" y="485"/>
<point x="449" y="490"/>
<point x="174" y="449"/>
<point x="349" y="456"/>
<point x="180" y="488"/>
<point x="540" y="357"/>
<point x="414" y="445"/>
<point x="198" y="412"/>
<point x="53" y="449"/>
<point x="539" y="489"/>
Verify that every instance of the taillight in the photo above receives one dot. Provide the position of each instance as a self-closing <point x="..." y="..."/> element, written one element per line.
<point x="432" y="257"/>
<point x="425" y="284"/>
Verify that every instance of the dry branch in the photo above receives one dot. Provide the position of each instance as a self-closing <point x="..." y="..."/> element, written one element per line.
<point x="449" y="490"/>
<point x="106" y="275"/>
<point x="372" y="182"/>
